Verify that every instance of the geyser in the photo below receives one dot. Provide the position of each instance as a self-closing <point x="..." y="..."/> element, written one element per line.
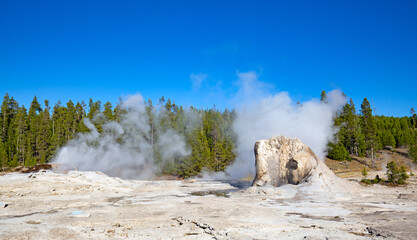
<point x="126" y="148"/>
<point x="281" y="160"/>
<point x="263" y="113"/>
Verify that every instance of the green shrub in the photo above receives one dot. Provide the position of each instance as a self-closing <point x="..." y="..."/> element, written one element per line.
<point x="364" y="172"/>
<point x="338" y="152"/>
<point x="366" y="181"/>
<point x="377" y="179"/>
<point x="396" y="175"/>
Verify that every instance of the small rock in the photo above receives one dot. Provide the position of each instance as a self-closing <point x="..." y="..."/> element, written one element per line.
<point x="33" y="222"/>
<point x="390" y="148"/>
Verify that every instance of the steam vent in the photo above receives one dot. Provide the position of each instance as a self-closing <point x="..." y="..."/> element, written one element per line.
<point x="281" y="160"/>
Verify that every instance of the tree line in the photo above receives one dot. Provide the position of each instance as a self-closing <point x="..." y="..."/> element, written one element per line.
<point x="33" y="136"/>
<point x="363" y="134"/>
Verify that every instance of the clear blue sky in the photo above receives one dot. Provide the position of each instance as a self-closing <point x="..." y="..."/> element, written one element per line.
<point x="106" y="49"/>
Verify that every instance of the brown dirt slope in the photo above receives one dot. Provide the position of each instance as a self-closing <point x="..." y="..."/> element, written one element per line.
<point x="353" y="168"/>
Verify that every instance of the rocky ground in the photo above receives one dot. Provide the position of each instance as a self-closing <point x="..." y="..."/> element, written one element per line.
<point x="91" y="205"/>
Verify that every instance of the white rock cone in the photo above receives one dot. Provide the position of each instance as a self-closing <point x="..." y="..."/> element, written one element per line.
<point x="281" y="160"/>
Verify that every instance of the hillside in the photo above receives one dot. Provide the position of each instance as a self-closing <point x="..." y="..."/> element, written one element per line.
<point x="353" y="168"/>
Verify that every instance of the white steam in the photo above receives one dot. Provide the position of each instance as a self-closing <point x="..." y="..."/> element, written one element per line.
<point x="123" y="149"/>
<point x="127" y="148"/>
<point x="261" y="115"/>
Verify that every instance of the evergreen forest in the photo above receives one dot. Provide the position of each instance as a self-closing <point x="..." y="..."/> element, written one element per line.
<point x="33" y="136"/>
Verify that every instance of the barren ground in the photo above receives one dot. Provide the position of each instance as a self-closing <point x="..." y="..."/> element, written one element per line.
<point x="91" y="205"/>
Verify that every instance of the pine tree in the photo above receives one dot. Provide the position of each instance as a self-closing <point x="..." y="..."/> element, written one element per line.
<point x="151" y="118"/>
<point x="364" y="172"/>
<point x="94" y="114"/>
<point x="108" y="112"/>
<point x="368" y="128"/>
<point x="22" y="133"/>
<point x="352" y="126"/>
<point x="118" y="112"/>
<point x="396" y="175"/>
<point x="29" y="159"/>
<point x="70" y="121"/>
<point x="11" y="140"/>
<point x="79" y="117"/>
<point x="5" y="117"/>
<point x="338" y="152"/>
<point x="34" y="127"/>
<point x="3" y="155"/>
<point x="58" y="129"/>
<point x="323" y="96"/>
<point x="45" y="133"/>
<point x="8" y="111"/>
<point x="413" y="152"/>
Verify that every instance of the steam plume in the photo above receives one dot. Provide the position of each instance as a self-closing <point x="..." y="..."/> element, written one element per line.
<point x="123" y="149"/>
<point x="262" y="114"/>
<point x="126" y="149"/>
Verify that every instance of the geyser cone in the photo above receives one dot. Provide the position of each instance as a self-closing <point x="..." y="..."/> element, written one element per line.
<point x="281" y="160"/>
